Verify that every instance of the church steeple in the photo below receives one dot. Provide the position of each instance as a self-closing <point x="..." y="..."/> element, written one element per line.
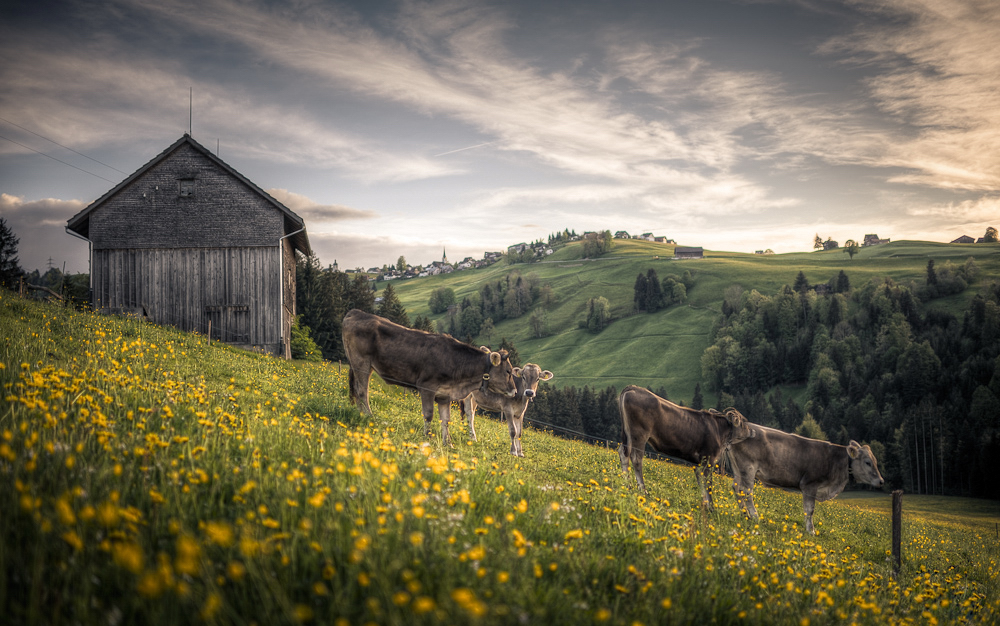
<point x="444" y="256"/>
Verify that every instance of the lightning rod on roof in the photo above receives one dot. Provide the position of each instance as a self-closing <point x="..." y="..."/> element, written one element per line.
<point x="190" y="107"/>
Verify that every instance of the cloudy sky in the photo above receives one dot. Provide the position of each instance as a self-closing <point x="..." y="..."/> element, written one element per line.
<point x="405" y="127"/>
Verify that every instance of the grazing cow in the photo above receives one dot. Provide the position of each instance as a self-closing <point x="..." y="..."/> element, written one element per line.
<point x="691" y="435"/>
<point x="819" y="469"/>
<point x="440" y="368"/>
<point x="526" y="381"/>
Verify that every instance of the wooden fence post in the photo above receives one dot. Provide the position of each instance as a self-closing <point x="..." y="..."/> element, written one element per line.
<point x="897" y="530"/>
<point x="210" y="331"/>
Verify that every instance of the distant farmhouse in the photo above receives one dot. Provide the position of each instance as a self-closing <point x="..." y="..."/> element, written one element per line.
<point x="190" y="242"/>
<point x="873" y="240"/>
<point x="965" y="239"/>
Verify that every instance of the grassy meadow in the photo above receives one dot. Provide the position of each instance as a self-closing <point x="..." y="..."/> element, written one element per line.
<point x="149" y="477"/>
<point x="665" y="348"/>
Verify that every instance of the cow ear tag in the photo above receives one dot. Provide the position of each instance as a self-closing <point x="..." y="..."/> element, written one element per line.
<point x="853" y="449"/>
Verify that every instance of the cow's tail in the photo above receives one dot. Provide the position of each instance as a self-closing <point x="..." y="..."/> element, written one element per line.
<point x="625" y="450"/>
<point x="350" y="385"/>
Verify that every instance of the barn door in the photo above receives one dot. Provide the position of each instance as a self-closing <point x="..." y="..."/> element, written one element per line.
<point x="230" y="322"/>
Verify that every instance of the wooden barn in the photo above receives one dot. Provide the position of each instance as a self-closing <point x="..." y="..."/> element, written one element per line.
<point x="188" y="241"/>
<point x="688" y="252"/>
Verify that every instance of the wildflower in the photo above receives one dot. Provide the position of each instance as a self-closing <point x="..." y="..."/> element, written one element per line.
<point x="302" y="613"/>
<point x="574" y="534"/>
<point x="422" y="605"/>
<point x="188" y="556"/>
<point x="212" y="605"/>
<point x="150" y="585"/>
<point x="318" y="499"/>
<point x="219" y="533"/>
<point x="73" y="540"/>
<point x="128" y="555"/>
<point x="236" y="571"/>
<point x="65" y="512"/>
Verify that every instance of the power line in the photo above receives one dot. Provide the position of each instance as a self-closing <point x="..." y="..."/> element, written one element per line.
<point x="27" y="130"/>
<point x="58" y="160"/>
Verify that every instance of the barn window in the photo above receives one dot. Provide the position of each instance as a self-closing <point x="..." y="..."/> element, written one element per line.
<point x="186" y="187"/>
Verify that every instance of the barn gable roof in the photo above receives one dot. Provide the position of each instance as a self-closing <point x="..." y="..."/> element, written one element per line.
<point x="293" y="224"/>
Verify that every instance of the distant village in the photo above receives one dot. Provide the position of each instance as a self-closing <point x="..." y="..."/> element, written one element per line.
<point x="529" y="251"/>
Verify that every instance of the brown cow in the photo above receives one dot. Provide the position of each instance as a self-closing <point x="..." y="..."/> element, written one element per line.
<point x="819" y="469"/>
<point x="440" y="368"/>
<point x="512" y="408"/>
<point x="691" y="435"/>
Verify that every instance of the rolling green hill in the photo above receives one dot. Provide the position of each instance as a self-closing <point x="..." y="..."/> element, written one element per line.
<point x="665" y="348"/>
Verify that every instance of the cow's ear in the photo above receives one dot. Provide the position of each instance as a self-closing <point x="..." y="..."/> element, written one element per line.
<point x="735" y="417"/>
<point x="853" y="449"/>
<point x="517" y="372"/>
<point x="546" y="375"/>
<point x="496" y="359"/>
<point x="485" y="349"/>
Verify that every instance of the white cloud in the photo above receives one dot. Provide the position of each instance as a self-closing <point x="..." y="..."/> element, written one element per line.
<point x="934" y="75"/>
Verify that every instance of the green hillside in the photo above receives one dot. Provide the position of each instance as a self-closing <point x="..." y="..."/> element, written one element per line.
<point x="149" y="477"/>
<point x="665" y="348"/>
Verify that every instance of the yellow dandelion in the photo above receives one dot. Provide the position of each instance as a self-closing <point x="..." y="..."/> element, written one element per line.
<point x="73" y="540"/>
<point x="128" y="555"/>
<point x="423" y="604"/>
<point x="219" y="533"/>
<point x="235" y="571"/>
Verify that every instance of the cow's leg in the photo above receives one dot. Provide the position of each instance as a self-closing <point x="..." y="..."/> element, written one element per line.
<point x="520" y="429"/>
<point x="358" y="379"/>
<point x="444" y="410"/>
<point x="637" y="451"/>
<point x="623" y="454"/>
<point x="512" y="428"/>
<point x="703" y="474"/>
<point x="469" y="405"/>
<point x="427" y="409"/>
<point x="808" y="505"/>
<point x="743" y="488"/>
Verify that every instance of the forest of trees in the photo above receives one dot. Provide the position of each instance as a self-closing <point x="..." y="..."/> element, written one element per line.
<point x="651" y="295"/>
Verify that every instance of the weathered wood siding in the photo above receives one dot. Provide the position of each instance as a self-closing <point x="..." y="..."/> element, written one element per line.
<point x="238" y="289"/>
<point x="219" y="212"/>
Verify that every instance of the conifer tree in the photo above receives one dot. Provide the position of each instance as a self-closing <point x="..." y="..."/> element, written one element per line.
<point x="391" y="308"/>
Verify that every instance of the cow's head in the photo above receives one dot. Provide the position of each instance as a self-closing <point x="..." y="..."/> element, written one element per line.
<point x="864" y="467"/>
<point x="499" y="378"/>
<point x="527" y="378"/>
<point x="740" y="426"/>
